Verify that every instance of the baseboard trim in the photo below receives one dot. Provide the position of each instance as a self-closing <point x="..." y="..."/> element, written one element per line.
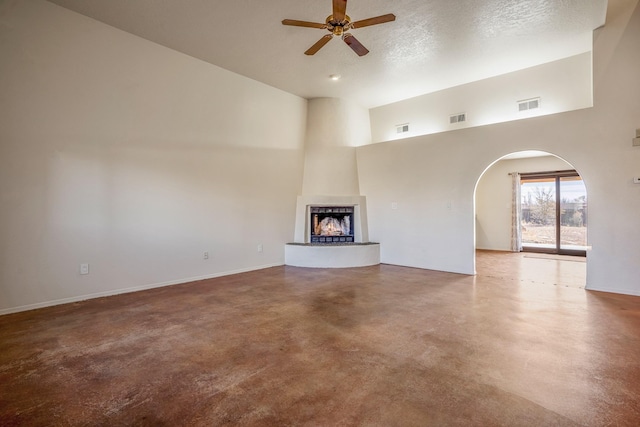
<point x="612" y="291"/>
<point x="85" y="297"/>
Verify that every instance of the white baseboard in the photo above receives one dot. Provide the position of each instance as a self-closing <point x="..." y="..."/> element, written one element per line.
<point x="128" y="290"/>
<point x="613" y="291"/>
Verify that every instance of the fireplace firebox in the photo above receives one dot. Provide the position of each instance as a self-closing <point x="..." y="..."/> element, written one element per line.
<point x="331" y="224"/>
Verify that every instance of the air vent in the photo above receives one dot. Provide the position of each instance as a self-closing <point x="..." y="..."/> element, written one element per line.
<point x="529" y="104"/>
<point x="457" y="118"/>
<point x="402" y="128"/>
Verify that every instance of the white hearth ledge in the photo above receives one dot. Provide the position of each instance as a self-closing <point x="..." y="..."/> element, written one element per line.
<point x="332" y="256"/>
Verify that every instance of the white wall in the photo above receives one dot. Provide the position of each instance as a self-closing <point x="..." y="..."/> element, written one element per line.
<point x="123" y="154"/>
<point x="432" y="178"/>
<point x="493" y="198"/>
<point x="335" y="127"/>
<point x="562" y="85"/>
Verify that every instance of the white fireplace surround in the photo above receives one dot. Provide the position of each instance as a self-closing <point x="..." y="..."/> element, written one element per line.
<point x="359" y="254"/>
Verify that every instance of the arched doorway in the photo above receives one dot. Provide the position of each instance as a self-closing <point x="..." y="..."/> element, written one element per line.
<point x="551" y="217"/>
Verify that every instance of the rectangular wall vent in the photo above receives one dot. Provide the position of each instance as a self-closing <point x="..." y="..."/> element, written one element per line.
<point x="402" y="128"/>
<point x="457" y="118"/>
<point x="529" y="104"/>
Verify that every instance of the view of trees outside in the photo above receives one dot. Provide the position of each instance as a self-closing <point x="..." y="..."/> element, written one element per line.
<point x="539" y="213"/>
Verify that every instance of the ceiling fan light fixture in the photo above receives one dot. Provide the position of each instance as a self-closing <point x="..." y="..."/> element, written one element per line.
<point x="338" y="23"/>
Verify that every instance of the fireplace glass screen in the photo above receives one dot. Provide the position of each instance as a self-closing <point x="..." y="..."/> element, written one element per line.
<point x="331" y="224"/>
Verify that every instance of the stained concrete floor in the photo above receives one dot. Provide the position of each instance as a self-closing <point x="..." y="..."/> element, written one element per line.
<point x="520" y="344"/>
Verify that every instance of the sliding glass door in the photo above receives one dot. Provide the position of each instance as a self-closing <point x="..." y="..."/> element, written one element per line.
<point x="573" y="211"/>
<point x="538" y="213"/>
<point x="554" y="213"/>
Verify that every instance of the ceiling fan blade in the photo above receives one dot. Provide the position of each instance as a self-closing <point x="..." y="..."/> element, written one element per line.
<point x="307" y="24"/>
<point x="355" y="44"/>
<point x="318" y="45"/>
<point x="339" y="10"/>
<point x="373" y="21"/>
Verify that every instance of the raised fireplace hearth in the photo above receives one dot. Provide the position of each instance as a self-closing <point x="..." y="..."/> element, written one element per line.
<point x="331" y="232"/>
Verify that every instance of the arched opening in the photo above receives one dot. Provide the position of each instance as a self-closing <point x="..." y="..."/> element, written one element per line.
<point x="532" y="203"/>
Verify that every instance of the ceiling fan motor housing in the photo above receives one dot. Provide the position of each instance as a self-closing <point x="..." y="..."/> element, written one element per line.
<point x="338" y="28"/>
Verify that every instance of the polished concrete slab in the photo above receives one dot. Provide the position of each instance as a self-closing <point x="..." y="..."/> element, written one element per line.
<point x="520" y="344"/>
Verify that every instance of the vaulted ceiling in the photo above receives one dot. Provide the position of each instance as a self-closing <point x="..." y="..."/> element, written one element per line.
<point x="432" y="44"/>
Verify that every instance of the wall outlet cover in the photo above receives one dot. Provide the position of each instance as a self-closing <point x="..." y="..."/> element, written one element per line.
<point x="84" y="268"/>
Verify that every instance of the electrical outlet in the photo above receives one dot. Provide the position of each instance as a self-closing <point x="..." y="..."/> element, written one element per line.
<point x="84" y="268"/>
<point x="205" y="255"/>
<point x="260" y="247"/>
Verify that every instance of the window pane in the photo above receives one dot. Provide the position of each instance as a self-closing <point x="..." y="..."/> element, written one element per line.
<point x="539" y="212"/>
<point x="573" y="213"/>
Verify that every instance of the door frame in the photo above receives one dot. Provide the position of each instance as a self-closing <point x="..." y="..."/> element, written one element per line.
<point x="557" y="175"/>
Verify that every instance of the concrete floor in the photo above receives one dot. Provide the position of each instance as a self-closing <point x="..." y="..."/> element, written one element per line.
<point x="519" y="344"/>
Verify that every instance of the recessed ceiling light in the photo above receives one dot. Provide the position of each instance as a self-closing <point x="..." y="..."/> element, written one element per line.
<point x="335" y="77"/>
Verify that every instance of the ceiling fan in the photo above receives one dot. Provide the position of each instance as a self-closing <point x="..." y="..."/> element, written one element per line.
<point x="338" y="24"/>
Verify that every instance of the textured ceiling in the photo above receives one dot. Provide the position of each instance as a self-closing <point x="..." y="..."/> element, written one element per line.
<point x="432" y="45"/>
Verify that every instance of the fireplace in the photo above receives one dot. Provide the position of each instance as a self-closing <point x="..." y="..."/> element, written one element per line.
<point x="331" y="224"/>
<point x="331" y="232"/>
